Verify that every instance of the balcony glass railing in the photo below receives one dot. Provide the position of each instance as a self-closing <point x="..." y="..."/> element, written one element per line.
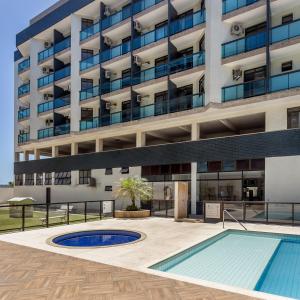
<point x="149" y="74"/>
<point x="277" y="83"/>
<point x="115" y="85"/>
<point x="62" y="45"/>
<point x="62" y="73"/>
<point x="187" y="22"/>
<point x="23" y="138"/>
<point x="43" y="55"/>
<point x="90" y="31"/>
<point x="24" y="65"/>
<point x="46" y="106"/>
<point x="116" y="17"/>
<point x="45" y="80"/>
<point x="144" y="4"/>
<point x="231" y="5"/>
<point x="249" y="43"/>
<point x="54" y="131"/>
<point x="187" y="62"/>
<point x="62" y="101"/>
<point x="285" y="32"/>
<point x="89" y="93"/>
<point x="115" y="51"/>
<point x="150" y="37"/>
<point x="24" y="89"/>
<point x="23" y="114"/>
<point x="90" y="62"/>
<point x="159" y="108"/>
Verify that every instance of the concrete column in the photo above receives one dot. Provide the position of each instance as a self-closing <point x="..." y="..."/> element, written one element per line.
<point x="36" y="154"/>
<point x="195" y="132"/>
<point x="26" y="155"/>
<point x="74" y="149"/>
<point x="74" y="178"/>
<point x="99" y="145"/>
<point x="140" y="139"/>
<point x="213" y="61"/>
<point x="54" y="151"/>
<point x="276" y="119"/>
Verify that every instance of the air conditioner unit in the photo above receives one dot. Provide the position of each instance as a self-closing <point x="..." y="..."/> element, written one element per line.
<point x="107" y="41"/>
<point x="138" y="26"/>
<point x="237" y="29"/>
<point x="46" y="70"/>
<point x="49" y="122"/>
<point x="138" y="98"/>
<point x="48" y="44"/>
<point x="107" y="105"/>
<point x="107" y="11"/>
<point x="93" y="182"/>
<point x="137" y="60"/>
<point x="107" y="74"/>
<point x="237" y="74"/>
<point x="48" y="96"/>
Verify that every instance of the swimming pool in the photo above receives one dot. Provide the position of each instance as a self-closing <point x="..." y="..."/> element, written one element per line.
<point x="263" y="262"/>
<point x="96" y="238"/>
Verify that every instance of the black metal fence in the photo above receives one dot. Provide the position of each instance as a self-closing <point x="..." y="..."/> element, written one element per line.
<point x="287" y="213"/>
<point x="27" y="216"/>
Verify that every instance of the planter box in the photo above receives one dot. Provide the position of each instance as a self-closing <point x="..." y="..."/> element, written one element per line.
<point x="143" y="213"/>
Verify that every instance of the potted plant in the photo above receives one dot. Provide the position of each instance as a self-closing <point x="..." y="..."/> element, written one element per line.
<point x="133" y="188"/>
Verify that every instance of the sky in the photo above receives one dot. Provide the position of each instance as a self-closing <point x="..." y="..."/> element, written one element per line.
<point x="14" y="17"/>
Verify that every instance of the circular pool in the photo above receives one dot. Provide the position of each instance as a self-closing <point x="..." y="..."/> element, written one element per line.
<point x="96" y="238"/>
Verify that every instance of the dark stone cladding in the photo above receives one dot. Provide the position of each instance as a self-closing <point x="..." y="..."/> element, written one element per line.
<point x="50" y="19"/>
<point x="251" y="146"/>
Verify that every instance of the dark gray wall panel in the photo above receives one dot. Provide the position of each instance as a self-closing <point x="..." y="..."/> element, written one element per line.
<point x="260" y="145"/>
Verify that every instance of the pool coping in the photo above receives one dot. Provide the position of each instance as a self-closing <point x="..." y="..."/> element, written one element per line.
<point x="50" y="242"/>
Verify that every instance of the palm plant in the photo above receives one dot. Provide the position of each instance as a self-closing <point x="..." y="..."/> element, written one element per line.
<point x="134" y="188"/>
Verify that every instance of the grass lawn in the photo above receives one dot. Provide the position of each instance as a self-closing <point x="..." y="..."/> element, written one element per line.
<point x="8" y="223"/>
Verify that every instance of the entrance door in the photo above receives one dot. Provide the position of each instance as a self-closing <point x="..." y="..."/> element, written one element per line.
<point x="160" y="100"/>
<point x="184" y="99"/>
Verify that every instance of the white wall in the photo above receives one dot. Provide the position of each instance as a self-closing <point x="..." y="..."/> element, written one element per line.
<point x="6" y="193"/>
<point x="282" y="183"/>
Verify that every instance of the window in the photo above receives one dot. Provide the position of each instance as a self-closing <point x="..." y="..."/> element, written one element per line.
<point x="108" y="171"/>
<point x="294" y="118"/>
<point x="29" y="179"/>
<point x="243" y="165"/>
<point x="39" y="179"/>
<point x="86" y="53"/>
<point x="19" y="179"/>
<point x="124" y="170"/>
<point x="48" y="179"/>
<point x="62" y="178"/>
<point x="287" y="66"/>
<point x="257" y="164"/>
<point x="85" y="23"/>
<point x="86" y="83"/>
<point x="86" y="113"/>
<point x="228" y="165"/>
<point x="287" y="19"/>
<point x="84" y="176"/>
<point x="108" y="188"/>
<point x="214" y="166"/>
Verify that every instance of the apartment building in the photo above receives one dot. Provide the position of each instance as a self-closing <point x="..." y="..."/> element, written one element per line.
<point x="200" y="91"/>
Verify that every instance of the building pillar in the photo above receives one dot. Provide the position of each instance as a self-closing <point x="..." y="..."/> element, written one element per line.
<point x="74" y="149"/>
<point x="99" y="145"/>
<point x="195" y="132"/>
<point x="26" y="155"/>
<point x="140" y="139"/>
<point x="54" y="151"/>
<point x="36" y="153"/>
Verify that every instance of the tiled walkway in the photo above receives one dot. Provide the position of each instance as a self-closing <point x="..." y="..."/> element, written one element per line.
<point x="29" y="274"/>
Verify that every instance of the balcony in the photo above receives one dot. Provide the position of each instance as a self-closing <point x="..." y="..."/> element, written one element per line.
<point x="57" y="75"/>
<point x="285" y="32"/>
<point x="60" y="46"/>
<point x="62" y="101"/>
<point x="90" y="62"/>
<point x="23" y="114"/>
<point x="115" y="85"/>
<point x="46" y="106"/>
<point x="277" y="83"/>
<point x="176" y="105"/>
<point x="143" y="4"/>
<point x="54" y="131"/>
<point x="116" y="18"/>
<point x="231" y="5"/>
<point x="187" y="22"/>
<point x="115" y="51"/>
<point x="89" y="93"/>
<point x="243" y="45"/>
<point x="89" y="31"/>
<point x="45" y="80"/>
<point x="149" y="74"/>
<point x="24" y="89"/>
<point x="23" y="138"/>
<point x="24" y="65"/>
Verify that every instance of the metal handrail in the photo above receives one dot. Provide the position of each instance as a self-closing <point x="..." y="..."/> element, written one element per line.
<point x="232" y="217"/>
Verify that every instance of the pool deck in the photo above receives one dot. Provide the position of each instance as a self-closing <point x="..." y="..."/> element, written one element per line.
<point x="119" y="272"/>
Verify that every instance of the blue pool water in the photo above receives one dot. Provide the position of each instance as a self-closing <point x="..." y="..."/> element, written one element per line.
<point x="258" y="261"/>
<point x="97" y="238"/>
